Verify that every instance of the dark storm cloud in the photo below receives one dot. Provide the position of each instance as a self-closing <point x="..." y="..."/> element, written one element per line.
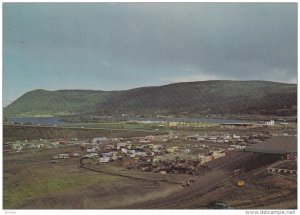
<point x="119" y="46"/>
<point x="250" y="41"/>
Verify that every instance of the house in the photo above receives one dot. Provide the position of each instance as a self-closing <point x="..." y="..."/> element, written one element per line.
<point x="114" y="158"/>
<point x="213" y="138"/>
<point x="107" y="154"/>
<point x="17" y="147"/>
<point x="164" y="140"/>
<point x="227" y="137"/>
<point x="236" y="137"/>
<point x="218" y="153"/>
<point x="63" y="156"/>
<point x="124" y="150"/>
<point x="99" y="139"/>
<point x="94" y="155"/>
<point x="238" y="146"/>
<point x="150" y="146"/>
<point x="187" y="150"/>
<point x="131" y="151"/>
<point x="220" y="141"/>
<point x="110" y="147"/>
<point x="104" y="160"/>
<point x="89" y="150"/>
<point x="155" y="160"/>
<point x="121" y="145"/>
<point x="157" y="150"/>
<point x="76" y="154"/>
<point x="204" y="159"/>
<point x="173" y="124"/>
<point x="143" y="154"/>
<point x="172" y="149"/>
<point x="157" y="147"/>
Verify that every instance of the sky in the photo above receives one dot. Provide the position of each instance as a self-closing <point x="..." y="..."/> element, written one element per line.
<point x="117" y="46"/>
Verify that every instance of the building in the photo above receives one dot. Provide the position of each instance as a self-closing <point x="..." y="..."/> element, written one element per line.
<point x="121" y="145"/>
<point x="104" y="160"/>
<point x="99" y="139"/>
<point x="270" y="123"/>
<point x="285" y="146"/>
<point x="237" y="125"/>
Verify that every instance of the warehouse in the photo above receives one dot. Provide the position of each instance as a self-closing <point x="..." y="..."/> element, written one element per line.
<point x="285" y="146"/>
<point x="237" y="125"/>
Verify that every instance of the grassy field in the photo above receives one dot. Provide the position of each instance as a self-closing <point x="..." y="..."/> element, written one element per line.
<point x="41" y="185"/>
<point x="29" y="175"/>
<point x="31" y="181"/>
<point x="19" y="132"/>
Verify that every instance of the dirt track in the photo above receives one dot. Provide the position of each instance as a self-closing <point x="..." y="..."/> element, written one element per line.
<point x="222" y="170"/>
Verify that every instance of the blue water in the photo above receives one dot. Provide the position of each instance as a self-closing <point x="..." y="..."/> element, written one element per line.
<point x="57" y="121"/>
<point x="37" y="120"/>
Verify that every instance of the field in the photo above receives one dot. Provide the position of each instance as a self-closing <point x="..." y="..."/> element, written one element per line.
<point x="31" y="181"/>
<point x="30" y="132"/>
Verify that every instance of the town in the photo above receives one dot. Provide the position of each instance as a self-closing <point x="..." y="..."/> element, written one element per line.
<point x="181" y="158"/>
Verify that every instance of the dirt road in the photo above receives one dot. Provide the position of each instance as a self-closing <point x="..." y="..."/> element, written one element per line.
<point x="221" y="170"/>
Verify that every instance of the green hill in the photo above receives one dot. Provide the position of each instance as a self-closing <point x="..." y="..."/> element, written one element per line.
<point x="190" y="98"/>
<point x="61" y="102"/>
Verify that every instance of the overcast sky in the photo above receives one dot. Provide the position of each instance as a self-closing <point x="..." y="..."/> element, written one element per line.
<point x="114" y="46"/>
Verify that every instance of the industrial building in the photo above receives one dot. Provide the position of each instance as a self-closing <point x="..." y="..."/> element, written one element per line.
<point x="237" y="125"/>
<point x="285" y="146"/>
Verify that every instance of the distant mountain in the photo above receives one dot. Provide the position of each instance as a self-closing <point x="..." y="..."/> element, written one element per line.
<point x="189" y="98"/>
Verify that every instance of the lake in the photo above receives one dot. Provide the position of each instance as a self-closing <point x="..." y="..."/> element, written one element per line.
<point x="37" y="120"/>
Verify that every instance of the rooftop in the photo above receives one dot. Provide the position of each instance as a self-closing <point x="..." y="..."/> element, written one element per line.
<point x="275" y="145"/>
<point x="237" y="123"/>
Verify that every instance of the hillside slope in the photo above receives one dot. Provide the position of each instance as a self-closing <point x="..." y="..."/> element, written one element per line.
<point x="197" y="98"/>
<point x="61" y="102"/>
